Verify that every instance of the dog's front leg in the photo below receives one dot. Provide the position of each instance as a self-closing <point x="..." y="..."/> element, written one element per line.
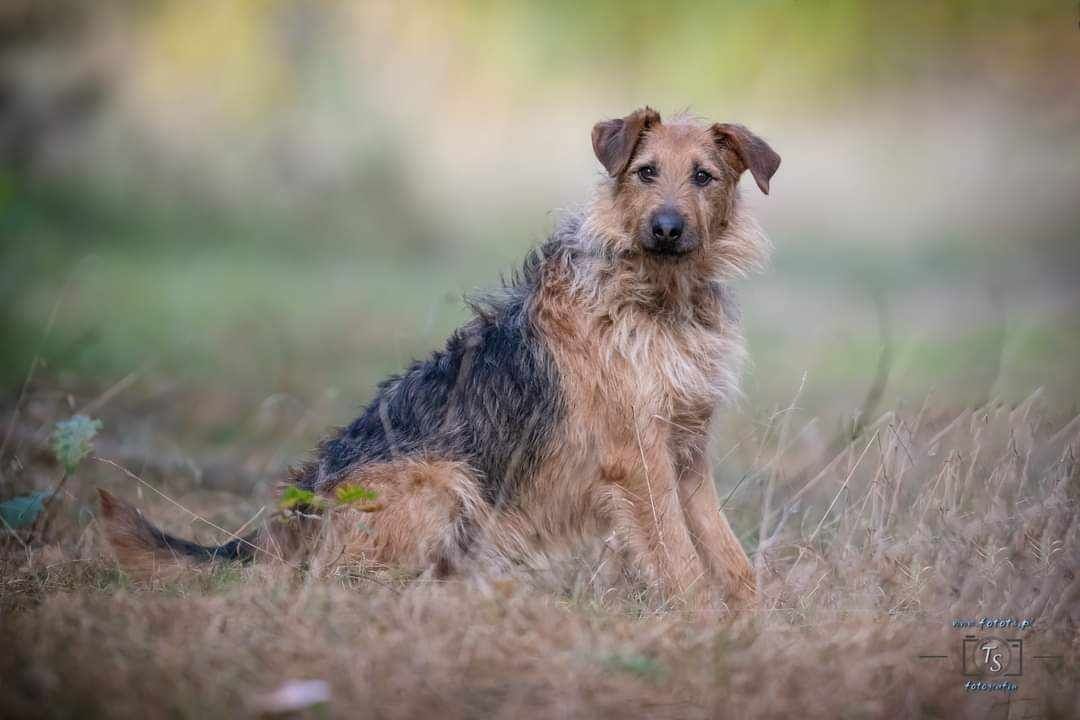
<point x="719" y="548"/>
<point x="648" y="516"/>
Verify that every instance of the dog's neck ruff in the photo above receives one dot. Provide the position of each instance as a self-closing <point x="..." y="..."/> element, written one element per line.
<point x="676" y="289"/>
<point x="672" y="326"/>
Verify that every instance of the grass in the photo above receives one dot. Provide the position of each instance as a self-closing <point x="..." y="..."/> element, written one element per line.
<point x="872" y="549"/>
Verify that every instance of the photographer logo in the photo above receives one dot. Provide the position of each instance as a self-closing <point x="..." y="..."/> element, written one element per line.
<point x="993" y="656"/>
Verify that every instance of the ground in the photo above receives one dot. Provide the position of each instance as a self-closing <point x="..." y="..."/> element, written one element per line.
<point x="874" y="545"/>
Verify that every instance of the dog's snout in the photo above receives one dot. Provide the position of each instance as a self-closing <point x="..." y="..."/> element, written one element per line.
<point x="667" y="225"/>
<point x="667" y="232"/>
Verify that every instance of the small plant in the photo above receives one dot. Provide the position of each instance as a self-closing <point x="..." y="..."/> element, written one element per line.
<point x="72" y="441"/>
<point x="294" y="498"/>
<point x="23" y="510"/>
<point x="351" y="493"/>
<point x="637" y="664"/>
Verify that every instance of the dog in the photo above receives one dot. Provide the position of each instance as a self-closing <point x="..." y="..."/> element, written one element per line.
<point x="577" y="400"/>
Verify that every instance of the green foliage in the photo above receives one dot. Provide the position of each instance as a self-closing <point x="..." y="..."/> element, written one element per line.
<point x="351" y="493"/>
<point x="72" y="440"/>
<point x="23" y="510"/>
<point x="636" y="664"/>
<point x="294" y="497"/>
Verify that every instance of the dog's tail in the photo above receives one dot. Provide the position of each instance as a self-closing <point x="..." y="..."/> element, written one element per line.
<point x="144" y="550"/>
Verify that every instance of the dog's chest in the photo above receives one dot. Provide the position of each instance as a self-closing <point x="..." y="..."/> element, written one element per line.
<point x="669" y="369"/>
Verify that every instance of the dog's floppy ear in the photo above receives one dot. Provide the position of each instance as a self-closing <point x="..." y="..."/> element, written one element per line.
<point x="614" y="141"/>
<point x="754" y="153"/>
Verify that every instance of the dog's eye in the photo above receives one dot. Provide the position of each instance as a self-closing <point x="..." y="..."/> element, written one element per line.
<point x="702" y="178"/>
<point x="647" y="173"/>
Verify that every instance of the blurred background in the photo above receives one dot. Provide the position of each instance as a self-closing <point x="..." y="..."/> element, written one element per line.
<point x="236" y="217"/>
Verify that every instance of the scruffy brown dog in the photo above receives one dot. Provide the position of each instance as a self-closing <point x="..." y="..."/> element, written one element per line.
<point x="575" y="403"/>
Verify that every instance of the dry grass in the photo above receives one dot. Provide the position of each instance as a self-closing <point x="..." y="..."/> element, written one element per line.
<point x="869" y="553"/>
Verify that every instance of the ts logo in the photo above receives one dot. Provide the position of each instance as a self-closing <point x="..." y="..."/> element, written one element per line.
<point x="993" y="656"/>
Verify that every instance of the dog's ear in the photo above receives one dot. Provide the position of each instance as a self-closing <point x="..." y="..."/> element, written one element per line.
<point x="753" y="153"/>
<point x="614" y="141"/>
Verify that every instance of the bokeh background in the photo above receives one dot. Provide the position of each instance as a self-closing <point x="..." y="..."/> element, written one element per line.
<point x="238" y="213"/>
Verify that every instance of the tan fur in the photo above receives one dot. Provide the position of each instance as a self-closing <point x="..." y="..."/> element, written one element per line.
<point x="128" y="534"/>
<point x="415" y="526"/>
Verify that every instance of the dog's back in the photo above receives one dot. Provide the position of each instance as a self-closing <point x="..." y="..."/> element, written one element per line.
<point x="490" y="399"/>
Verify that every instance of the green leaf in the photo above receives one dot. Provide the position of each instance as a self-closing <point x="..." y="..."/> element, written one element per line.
<point x="23" y="510"/>
<point x="636" y="664"/>
<point x="347" y="494"/>
<point x="72" y="440"/>
<point x="293" y="497"/>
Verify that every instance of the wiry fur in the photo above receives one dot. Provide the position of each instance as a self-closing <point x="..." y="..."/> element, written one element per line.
<point x="576" y="403"/>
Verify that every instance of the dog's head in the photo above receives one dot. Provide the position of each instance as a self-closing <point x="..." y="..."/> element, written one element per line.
<point x="673" y="186"/>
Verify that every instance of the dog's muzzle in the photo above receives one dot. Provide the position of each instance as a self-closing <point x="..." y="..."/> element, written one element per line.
<point x="666" y="235"/>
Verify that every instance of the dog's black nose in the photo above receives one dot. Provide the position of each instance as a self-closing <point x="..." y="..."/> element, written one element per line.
<point x="667" y="225"/>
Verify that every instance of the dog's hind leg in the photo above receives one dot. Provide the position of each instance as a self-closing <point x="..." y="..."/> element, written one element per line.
<point x="426" y="516"/>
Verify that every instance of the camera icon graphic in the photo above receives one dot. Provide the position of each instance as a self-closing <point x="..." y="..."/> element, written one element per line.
<point x="992" y="656"/>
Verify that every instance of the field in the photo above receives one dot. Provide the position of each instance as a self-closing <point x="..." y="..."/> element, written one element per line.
<point x="868" y="548"/>
<point x="220" y="228"/>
